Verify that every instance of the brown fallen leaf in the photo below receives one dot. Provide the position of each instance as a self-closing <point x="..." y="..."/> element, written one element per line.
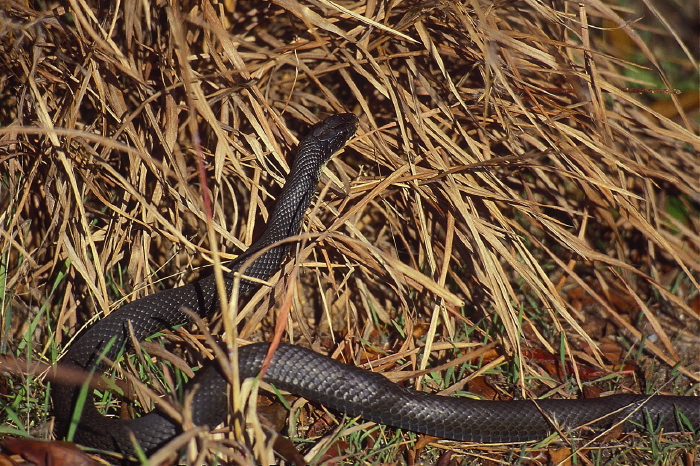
<point x="48" y="453"/>
<point x="285" y="448"/>
<point x="559" y="455"/>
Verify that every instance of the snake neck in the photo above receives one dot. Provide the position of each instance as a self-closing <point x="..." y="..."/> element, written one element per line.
<point x="287" y="216"/>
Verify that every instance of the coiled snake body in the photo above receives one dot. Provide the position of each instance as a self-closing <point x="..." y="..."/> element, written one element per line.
<point x="348" y="389"/>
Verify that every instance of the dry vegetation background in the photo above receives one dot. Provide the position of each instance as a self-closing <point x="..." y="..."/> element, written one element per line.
<point x="509" y="184"/>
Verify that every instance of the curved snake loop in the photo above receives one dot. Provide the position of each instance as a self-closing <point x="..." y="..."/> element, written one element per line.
<point x="345" y="388"/>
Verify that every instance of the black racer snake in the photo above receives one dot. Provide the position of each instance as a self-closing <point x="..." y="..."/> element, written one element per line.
<point x="347" y="389"/>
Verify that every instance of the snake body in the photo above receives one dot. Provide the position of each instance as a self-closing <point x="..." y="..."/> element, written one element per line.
<point x="339" y="386"/>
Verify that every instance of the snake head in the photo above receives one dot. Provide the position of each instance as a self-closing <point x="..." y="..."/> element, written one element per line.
<point x="333" y="132"/>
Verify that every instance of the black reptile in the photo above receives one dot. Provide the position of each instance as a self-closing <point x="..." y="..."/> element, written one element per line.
<point x="342" y="387"/>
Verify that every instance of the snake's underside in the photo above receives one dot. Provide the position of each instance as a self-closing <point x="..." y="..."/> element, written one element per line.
<point x="339" y="386"/>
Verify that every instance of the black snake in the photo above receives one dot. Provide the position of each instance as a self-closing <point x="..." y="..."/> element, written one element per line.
<point x="345" y="388"/>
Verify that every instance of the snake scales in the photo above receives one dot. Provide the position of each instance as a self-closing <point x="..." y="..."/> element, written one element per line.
<point x="345" y="388"/>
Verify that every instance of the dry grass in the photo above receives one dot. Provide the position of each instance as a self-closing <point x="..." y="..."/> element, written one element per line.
<point x="505" y="179"/>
